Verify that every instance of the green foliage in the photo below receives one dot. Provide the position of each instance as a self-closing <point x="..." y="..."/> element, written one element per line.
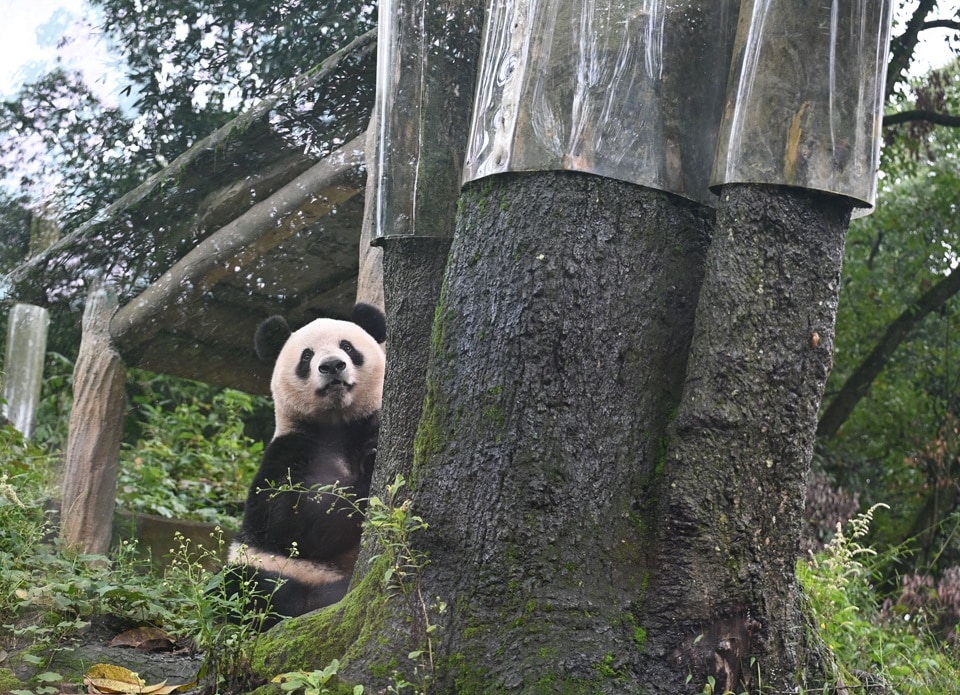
<point x="193" y="459"/>
<point x="907" y="146"/>
<point x="840" y="585"/>
<point x="47" y="594"/>
<point x="189" y="67"/>
<point x="312" y="682"/>
<point x="56" y="399"/>
<point x="899" y="444"/>
<point x="186" y="453"/>
<point x="15" y="221"/>
<point x="218" y="621"/>
<point x="23" y="520"/>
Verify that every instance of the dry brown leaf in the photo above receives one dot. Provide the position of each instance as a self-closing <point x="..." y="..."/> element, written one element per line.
<point x="151" y="639"/>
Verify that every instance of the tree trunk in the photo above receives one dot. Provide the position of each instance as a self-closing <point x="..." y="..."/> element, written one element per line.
<point x="96" y="428"/>
<point x="601" y="519"/>
<point x="723" y="599"/>
<point x="563" y="334"/>
<point x="413" y="274"/>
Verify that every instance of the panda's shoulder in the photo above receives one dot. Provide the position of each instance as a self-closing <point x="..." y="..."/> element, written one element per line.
<point x="293" y="442"/>
<point x="288" y="450"/>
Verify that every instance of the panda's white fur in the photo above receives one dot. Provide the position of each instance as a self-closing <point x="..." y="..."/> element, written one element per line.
<point x="326" y="394"/>
<point x="327" y="387"/>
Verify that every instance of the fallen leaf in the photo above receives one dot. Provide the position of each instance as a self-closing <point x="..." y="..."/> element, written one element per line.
<point x="113" y="672"/>
<point x="110" y="679"/>
<point x="150" y="639"/>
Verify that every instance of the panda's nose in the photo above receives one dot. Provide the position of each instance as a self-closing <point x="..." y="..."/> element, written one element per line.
<point x="332" y="365"/>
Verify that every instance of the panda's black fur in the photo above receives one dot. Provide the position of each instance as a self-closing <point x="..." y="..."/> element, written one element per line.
<point x="327" y="386"/>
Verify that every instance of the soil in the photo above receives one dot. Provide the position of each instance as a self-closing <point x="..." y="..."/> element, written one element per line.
<point x="156" y="662"/>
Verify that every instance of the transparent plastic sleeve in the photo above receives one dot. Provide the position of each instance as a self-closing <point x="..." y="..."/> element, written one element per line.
<point x="805" y="96"/>
<point x="684" y="95"/>
<point x="426" y="66"/>
<point x="628" y="90"/>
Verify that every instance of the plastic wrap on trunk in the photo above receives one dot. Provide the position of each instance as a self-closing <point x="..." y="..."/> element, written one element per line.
<point x="685" y="95"/>
<point x="426" y="66"/>
<point x="628" y="90"/>
<point x="805" y="96"/>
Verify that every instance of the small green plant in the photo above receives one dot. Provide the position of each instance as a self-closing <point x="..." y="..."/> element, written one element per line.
<point x="391" y="523"/>
<point x="312" y="682"/>
<point x="218" y="619"/>
<point x="845" y="604"/>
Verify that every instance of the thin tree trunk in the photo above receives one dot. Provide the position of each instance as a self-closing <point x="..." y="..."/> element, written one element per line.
<point x="96" y="428"/>
<point x="413" y="274"/>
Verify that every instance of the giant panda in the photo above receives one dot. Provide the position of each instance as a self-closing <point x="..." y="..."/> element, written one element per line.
<point x="327" y="386"/>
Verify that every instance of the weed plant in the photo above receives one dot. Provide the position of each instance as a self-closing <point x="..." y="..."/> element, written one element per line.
<point x="48" y="595"/>
<point x="907" y="656"/>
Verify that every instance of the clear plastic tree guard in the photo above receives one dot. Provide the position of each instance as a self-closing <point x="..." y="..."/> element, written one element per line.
<point x="628" y="90"/>
<point x="684" y="96"/>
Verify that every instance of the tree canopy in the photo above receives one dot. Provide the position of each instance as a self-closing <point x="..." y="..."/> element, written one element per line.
<point x="80" y="162"/>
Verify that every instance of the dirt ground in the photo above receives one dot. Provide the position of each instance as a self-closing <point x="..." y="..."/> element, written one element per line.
<point x="155" y="661"/>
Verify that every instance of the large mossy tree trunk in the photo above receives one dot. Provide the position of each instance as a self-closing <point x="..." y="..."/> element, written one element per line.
<point x="613" y="494"/>
<point x="559" y="353"/>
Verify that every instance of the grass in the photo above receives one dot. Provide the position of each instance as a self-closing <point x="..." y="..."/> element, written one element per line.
<point x="910" y="656"/>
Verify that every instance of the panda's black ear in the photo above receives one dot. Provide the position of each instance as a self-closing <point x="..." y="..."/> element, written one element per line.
<point x="270" y="337"/>
<point x="370" y="319"/>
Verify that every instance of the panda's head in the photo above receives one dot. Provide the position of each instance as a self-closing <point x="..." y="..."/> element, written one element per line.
<point x="328" y="372"/>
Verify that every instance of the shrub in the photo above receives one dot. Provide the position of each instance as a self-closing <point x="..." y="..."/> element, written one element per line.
<point x="193" y="461"/>
<point x="839" y="583"/>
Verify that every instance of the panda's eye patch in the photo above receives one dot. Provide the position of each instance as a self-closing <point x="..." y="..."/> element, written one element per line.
<point x="303" y="366"/>
<point x="355" y="355"/>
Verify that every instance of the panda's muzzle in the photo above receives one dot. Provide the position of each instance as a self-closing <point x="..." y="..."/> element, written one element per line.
<point x="331" y="374"/>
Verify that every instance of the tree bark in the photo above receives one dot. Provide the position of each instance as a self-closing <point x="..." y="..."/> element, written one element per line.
<point x="559" y="348"/>
<point x="723" y="599"/>
<point x="96" y="428"/>
<point x="413" y="274"/>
